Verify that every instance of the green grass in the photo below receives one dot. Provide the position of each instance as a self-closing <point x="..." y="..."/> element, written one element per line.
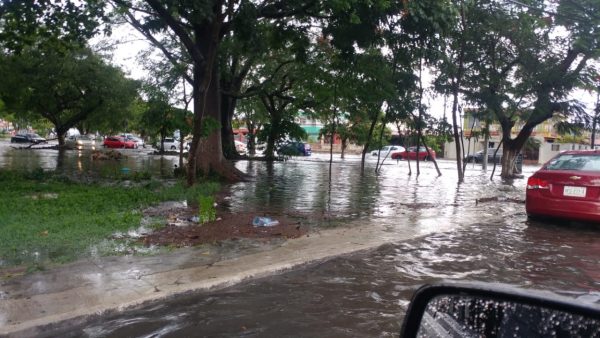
<point x="46" y="218"/>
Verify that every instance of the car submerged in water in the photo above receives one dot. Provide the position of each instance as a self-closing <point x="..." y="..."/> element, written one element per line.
<point x="566" y="187"/>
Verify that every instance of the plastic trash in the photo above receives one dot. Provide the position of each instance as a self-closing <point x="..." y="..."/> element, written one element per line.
<point x="125" y="171"/>
<point x="264" y="221"/>
<point x="195" y="219"/>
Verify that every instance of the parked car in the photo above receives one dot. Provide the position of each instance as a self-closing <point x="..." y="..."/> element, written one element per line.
<point x="138" y="140"/>
<point x="27" y="138"/>
<point x="295" y="149"/>
<point x="478" y="156"/>
<point x="117" y="142"/>
<point x="173" y="144"/>
<point x="567" y="186"/>
<point x="81" y="141"/>
<point x="388" y="151"/>
<point x="412" y="154"/>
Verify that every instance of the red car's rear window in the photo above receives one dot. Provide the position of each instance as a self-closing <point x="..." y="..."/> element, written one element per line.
<point x="583" y="162"/>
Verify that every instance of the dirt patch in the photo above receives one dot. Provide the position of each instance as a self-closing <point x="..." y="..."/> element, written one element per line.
<point x="181" y="231"/>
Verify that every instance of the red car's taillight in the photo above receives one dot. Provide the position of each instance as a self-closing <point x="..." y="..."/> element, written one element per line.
<point x="537" y="183"/>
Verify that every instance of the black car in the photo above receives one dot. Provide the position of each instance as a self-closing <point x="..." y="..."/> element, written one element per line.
<point x="295" y="149"/>
<point x="478" y="156"/>
<point x="27" y="138"/>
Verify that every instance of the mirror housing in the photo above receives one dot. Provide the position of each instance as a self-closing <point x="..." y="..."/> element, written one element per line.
<point x="495" y="310"/>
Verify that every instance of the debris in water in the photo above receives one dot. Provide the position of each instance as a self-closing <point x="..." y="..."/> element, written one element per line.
<point x="264" y="222"/>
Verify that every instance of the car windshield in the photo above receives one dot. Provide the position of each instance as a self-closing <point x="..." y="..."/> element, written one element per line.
<point x="583" y="162"/>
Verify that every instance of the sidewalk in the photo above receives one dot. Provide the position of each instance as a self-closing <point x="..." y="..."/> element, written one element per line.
<point x="75" y="291"/>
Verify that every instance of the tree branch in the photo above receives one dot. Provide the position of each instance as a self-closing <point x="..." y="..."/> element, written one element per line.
<point x="178" y="29"/>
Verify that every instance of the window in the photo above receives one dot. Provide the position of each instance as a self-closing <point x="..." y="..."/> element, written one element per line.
<point x="555" y="147"/>
<point x="575" y="162"/>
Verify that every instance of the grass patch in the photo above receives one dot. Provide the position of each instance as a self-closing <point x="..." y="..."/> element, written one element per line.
<point x="50" y="219"/>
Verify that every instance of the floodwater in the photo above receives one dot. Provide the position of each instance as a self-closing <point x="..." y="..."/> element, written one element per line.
<point x="80" y="163"/>
<point x="476" y="231"/>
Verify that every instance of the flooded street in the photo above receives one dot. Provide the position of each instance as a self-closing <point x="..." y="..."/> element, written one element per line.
<point x="477" y="231"/>
<point x="79" y="163"/>
<point x="366" y="294"/>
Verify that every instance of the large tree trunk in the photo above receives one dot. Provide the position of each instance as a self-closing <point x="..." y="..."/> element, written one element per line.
<point x="60" y="134"/>
<point x="270" y="151"/>
<point x="210" y="158"/>
<point x="512" y="148"/>
<point x="227" y="110"/>
<point x="366" y="147"/>
<point x="207" y="156"/>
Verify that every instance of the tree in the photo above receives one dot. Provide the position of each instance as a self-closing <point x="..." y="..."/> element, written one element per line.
<point x="200" y="28"/>
<point x="61" y="23"/>
<point x="524" y="61"/>
<point x="65" y="87"/>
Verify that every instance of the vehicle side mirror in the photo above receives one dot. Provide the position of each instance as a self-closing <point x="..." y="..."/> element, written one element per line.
<point x="494" y="310"/>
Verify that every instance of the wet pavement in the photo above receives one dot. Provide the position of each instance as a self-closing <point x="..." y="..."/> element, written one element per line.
<point x="411" y="230"/>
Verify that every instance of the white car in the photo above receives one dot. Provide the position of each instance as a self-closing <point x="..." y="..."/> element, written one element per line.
<point x="172" y="144"/>
<point x="388" y="151"/>
<point x="81" y="141"/>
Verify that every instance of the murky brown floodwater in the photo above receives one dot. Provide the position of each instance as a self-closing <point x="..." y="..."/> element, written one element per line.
<point x="466" y="235"/>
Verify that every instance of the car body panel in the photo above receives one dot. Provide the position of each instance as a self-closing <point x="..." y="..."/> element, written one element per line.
<point x="568" y="187"/>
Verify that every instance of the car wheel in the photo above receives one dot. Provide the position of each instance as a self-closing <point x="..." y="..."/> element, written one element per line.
<point x="173" y="148"/>
<point x="123" y="146"/>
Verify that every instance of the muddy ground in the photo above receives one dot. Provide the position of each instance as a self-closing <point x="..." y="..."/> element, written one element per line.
<point x="182" y="230"/>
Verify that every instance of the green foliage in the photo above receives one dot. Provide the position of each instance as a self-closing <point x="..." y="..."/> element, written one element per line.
<point x="64" y="87"/>
<point x="25" y="23"/>
<point x="206" y="209"/>
<point x="47" y="219"/>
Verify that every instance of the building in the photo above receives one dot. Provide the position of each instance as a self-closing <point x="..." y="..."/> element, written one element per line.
<point x="545" y="133"/>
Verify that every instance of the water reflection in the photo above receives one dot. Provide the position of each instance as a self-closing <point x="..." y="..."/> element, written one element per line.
<point x="394" y="197"/>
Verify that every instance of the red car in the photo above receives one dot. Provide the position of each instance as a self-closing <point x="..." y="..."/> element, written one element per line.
<point x="567" y="187"/>
<point x="412" y="154"/>
<point x="118" y="142"/>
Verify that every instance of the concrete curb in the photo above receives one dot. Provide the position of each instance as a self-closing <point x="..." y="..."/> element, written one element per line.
<point x="27" y="316"/>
